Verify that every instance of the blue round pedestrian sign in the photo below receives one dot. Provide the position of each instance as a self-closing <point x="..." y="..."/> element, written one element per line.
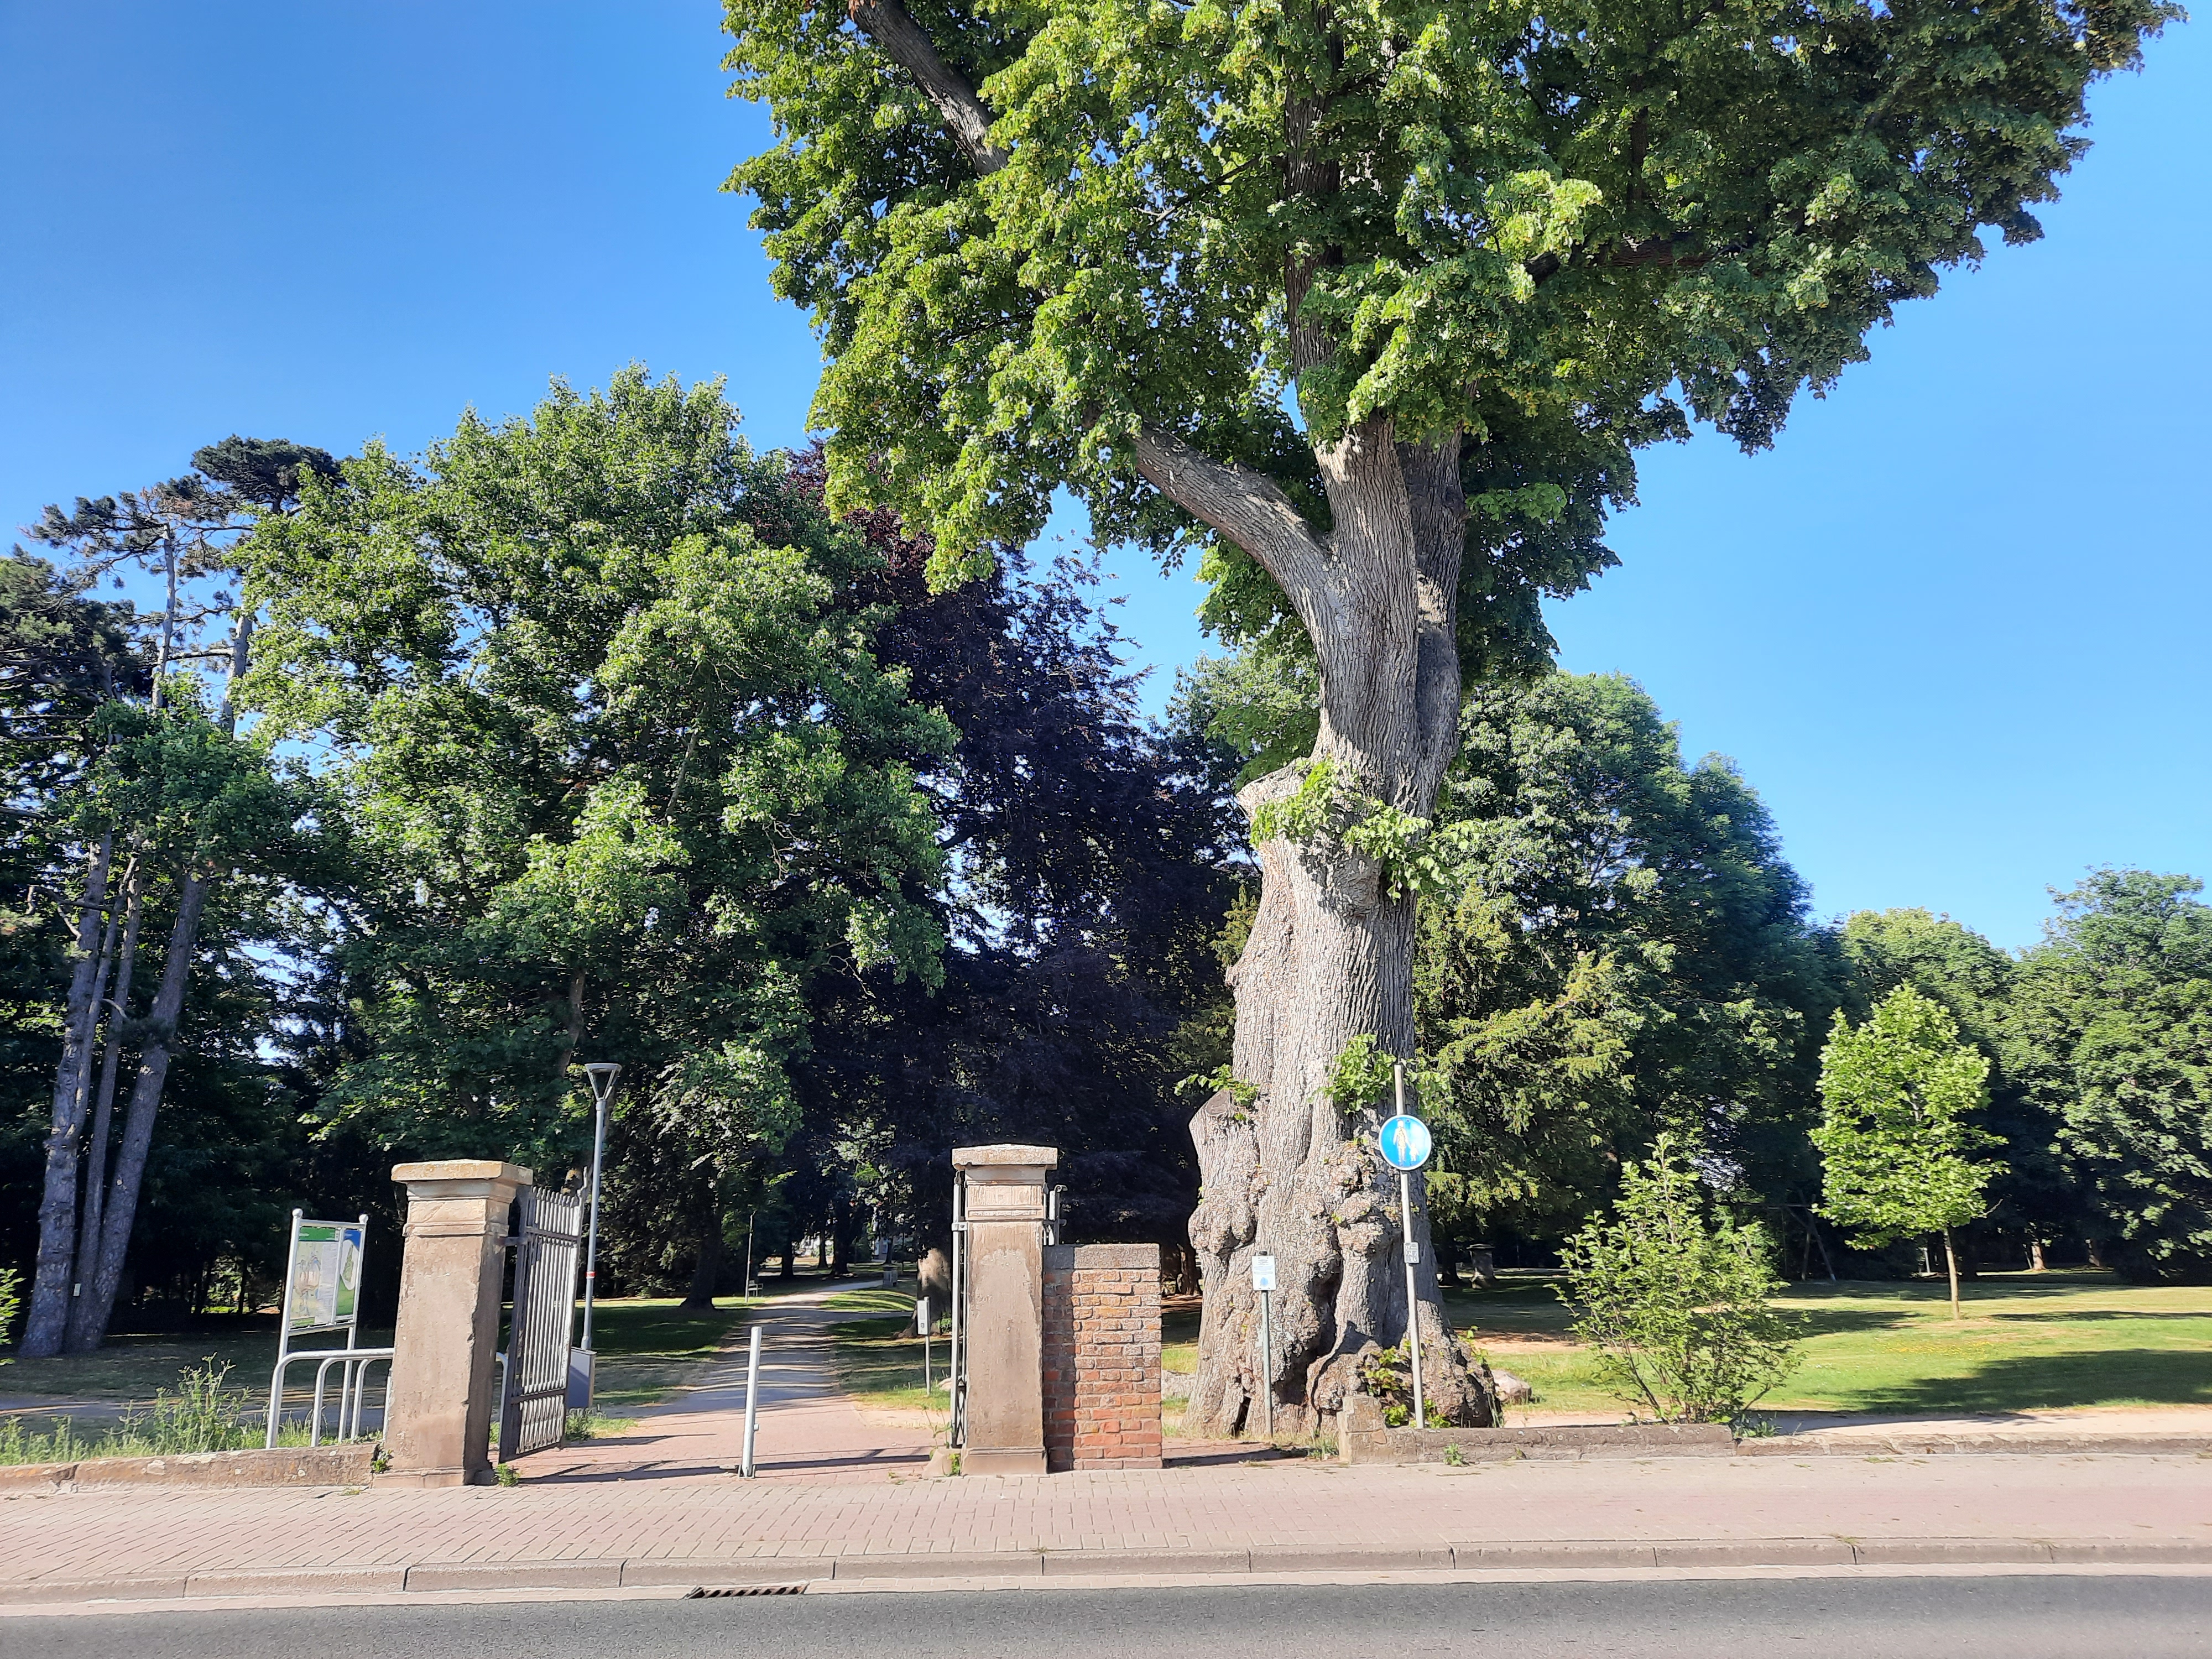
<point x="1405" y="1143"/>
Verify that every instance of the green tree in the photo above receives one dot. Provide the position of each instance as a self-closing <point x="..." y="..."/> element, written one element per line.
<point x="1374" y="306"/>
<point x="1613" y="945"/>
<point x="2111" y="1035"/>
<point x="1673" y="1295"/>
<point x="621" y="777"/>
<point x="184" y="800"/>
<point x="1900" y="1092"/>
<point x="2040" y="1187"/>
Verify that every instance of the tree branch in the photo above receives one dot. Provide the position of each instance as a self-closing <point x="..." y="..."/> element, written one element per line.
<point x="1248" y="507"/>
<point x="1251" y="510"/>
<point x="966" y="116"/>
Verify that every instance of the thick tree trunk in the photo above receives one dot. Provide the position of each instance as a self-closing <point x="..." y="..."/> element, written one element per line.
<point x="1951" y="1263"/>
<point x="52" y="1280"/>
<point x="1287" y="1171"/>
<point x="708" y="1271"/>
<point x="105" y="1276"/>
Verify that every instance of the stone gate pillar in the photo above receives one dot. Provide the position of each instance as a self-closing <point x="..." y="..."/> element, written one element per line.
<point x="437" y="1417"/>
<point x="1003" y="1327"/>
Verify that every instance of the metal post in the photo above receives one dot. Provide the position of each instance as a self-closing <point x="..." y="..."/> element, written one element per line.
<point x="602" y="1074"/>
<point x="1267" y="1361"/>
<point x="350" y="1377"/>
<point x="748" y="1281"/>
<point x="954" y="1392"/>
<point x="1413" y="1306"/>
<point x="752" y="1386"/>
<point x="1412" y="1260"/>
<point x="283" y="1331"/>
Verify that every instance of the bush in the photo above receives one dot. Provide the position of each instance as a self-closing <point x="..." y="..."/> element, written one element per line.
<point x="1674" y="1299"/>
<point x="11" y="1302"/>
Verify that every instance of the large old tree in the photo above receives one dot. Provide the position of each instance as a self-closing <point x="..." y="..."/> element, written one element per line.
<point x="1373" y="302"/>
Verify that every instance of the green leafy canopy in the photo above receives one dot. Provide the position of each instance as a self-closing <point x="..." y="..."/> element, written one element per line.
<point x="1564" y="231"/>
<point x="1900" y="1091"/>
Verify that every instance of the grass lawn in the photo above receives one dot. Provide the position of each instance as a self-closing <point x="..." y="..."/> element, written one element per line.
<point x="131" y="1367"/>
<point x="645" y="1346"/>
<point x="877" y="1356"/>
<point x="2028" y="1342"/>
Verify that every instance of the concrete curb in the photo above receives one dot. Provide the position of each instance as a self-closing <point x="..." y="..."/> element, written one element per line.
<point x="1040" y="1566"/>
<point x="345" y="1465"/>
<point x="1995" y="1443"/>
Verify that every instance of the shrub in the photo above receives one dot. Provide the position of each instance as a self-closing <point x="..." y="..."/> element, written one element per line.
<point x="1673" y="1298"/>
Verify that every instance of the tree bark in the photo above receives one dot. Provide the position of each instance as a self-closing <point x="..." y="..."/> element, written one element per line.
<point x="103" y="1110"/>
<point x="121" y="1205"/>
<point x="1329" y="961"/>
<point x="52" y="1279"/>
<point x="1951" y="1264"/>
<point x="708" y="1271"/>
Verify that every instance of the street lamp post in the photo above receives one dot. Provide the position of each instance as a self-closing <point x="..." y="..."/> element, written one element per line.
<point x="602" y="1074"/>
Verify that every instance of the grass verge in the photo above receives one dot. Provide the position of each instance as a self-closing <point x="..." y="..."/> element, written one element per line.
<point x="2028" y="1342"/>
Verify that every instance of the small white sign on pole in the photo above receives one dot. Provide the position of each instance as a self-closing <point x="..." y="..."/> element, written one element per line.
<point x="1263" y="1280"/>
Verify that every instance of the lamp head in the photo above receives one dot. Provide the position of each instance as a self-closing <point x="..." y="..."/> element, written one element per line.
<point x="602" y="1073"/>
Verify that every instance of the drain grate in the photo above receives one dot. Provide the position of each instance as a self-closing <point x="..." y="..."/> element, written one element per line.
<point x="699" y="1591"/>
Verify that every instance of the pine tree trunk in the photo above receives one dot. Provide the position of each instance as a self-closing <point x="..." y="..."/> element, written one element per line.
<point x="52" y="1280"/>
<point x="1951" y="1266"/>
<point x="103" y="1112"/>
<point x="1329" y="961"/>
<point x="2035" y="1264"/>
<point x="105" y="1277"/>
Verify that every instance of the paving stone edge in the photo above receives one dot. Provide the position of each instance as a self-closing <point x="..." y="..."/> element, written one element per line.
<point x="1040" y="1566"/>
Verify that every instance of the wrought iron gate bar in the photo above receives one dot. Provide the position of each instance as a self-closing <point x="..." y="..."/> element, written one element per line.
<point x="533" y="1410"/>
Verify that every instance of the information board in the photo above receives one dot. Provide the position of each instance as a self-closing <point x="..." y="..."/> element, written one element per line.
<point x="323" y="1287"/>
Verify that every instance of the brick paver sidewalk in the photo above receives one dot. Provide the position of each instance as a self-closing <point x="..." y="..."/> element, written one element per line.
<point x="807" y="1427"/>
<point x="1238" y="1517"/>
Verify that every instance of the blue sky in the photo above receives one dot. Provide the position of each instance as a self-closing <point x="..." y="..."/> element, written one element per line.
<point x="1953" y="628"/>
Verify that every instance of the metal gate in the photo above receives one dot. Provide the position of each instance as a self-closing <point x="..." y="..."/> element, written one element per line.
<point x="534" y="1408"/>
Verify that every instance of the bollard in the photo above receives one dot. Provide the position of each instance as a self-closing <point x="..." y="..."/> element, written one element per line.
<point x="752" y="1387"/>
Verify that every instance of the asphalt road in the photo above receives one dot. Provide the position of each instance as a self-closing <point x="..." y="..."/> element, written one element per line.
<point x="2003" y="1617"/>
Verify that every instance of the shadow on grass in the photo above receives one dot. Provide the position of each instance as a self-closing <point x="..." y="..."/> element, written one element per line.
<point x="2119" y="1376"/>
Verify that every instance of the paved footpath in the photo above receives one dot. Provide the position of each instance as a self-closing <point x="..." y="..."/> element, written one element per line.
<point x="808" y="1428"/>
<point x="1289" y="1516"/>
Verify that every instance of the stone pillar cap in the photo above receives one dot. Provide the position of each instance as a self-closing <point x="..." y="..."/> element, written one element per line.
<point x="970" y="1157"/>
<point x="462" y="1168"/>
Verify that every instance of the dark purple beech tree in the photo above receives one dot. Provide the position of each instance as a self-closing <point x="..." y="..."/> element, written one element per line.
<point x="1368" y="303"/>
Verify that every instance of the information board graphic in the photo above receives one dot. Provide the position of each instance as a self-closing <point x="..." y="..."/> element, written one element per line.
<point x="324" y="1286"/>
<point x="1406" y="1143"/>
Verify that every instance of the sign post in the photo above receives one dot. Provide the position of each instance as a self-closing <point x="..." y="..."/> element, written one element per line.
<point x="1406" y="1145"/>
<point x="322" y="1292"/>
<point x="1263" y="1280"/>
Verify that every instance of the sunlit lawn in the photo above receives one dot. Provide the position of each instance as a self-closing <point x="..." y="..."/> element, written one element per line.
<point x="2028" y="1342"/>
<point x="645" y="1346"/>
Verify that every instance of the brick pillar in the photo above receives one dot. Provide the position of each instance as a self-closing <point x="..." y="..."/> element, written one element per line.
<point x="1102" y="1356"/>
